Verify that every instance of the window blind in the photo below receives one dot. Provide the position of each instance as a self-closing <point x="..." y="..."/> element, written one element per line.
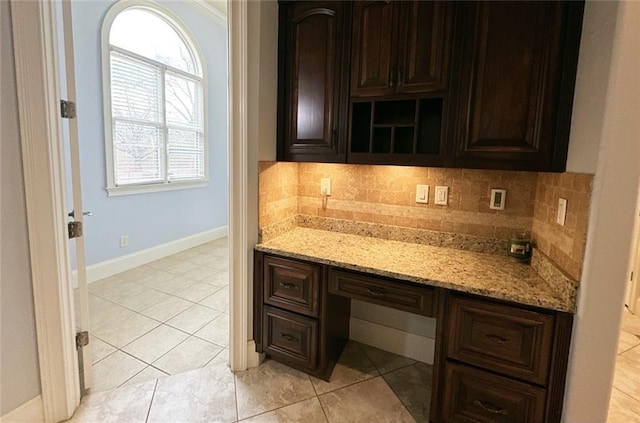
<point x="157" y="123"/>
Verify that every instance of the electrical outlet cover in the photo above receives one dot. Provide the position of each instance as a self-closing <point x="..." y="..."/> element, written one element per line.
<point x="442" y="196"/>
<point x="562" y="211"/>
<point x="498" y="199"/>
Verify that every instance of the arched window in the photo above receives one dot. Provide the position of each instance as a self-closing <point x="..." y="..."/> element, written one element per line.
<point x="155" y="103"/>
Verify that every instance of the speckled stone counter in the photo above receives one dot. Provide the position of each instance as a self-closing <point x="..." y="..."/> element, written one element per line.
<point x="476" y="273"/>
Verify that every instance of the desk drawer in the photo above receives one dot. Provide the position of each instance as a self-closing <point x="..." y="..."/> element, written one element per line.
<point x="292" y="285"/>
<point x="382" y="291"/>
<point x="509" y="340"/>
<point x="290" y="337"/>
<point x="476" y="396"/>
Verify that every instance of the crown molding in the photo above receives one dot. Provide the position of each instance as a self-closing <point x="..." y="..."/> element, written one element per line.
<point x="207" y="8"/>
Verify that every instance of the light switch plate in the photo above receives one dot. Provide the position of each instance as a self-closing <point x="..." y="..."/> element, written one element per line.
<point x="498" y="199"/>
<point x="442" y="196"/>
<point x="422" y="194"/>
<point x="325" y="186"/>
<point x="562" y="211"/>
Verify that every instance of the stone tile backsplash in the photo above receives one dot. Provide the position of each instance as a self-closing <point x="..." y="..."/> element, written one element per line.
<point x="277" y="192"/>
<point x="385" y="195"/>
<point x="564" y="245"/>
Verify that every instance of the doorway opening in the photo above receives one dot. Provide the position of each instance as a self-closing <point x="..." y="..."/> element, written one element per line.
<point x="625" y="397"/>
<point x="157" y="258"/>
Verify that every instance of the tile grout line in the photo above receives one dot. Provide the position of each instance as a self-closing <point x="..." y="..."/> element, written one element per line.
<point x="151" y="364"/>
<point x="171" y="274"/>
<point x="326" y="417"/>
<point x="235" y="393"/>
<point x="176" y="346"/>
<point x="213" y="358"/>
<point x="625" y="392"/>
<point x="350" y="384"/>
<point x="153" y="396"/>
<point x="280" y="408"/>
<point x="398" y="394"/>
<point x="627" y="395"/>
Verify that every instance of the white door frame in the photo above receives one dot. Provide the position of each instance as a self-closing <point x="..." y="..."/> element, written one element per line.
<point x="34" y="38"/>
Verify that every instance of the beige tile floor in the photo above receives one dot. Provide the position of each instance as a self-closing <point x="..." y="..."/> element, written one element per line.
<point x="159" y="343"/>
<point x="625" y="397"/>
<point x="368" y="385"/>
<point x="167" y="317"/>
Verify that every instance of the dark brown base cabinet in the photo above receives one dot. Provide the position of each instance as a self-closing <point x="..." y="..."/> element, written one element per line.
<point x="296" y="320"/>
<point x="495" y="361"/>
<point x="472" y="84"/>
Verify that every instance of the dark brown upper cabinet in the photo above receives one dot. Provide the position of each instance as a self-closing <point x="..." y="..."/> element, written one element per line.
<point x="400" y="47"/>
<point x="516" y="65"/>
<point x="313" y="80"/>
<point x="471" y="84"/>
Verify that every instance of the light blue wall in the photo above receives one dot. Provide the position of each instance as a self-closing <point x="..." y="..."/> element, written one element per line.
<point x="154" y="218"/>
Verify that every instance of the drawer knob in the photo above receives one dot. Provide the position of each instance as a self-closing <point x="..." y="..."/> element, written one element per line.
<point x="497" y="339"/>
<point x="491" y="408"/>
<point x="375" y="293"/>
<point x="288" y="337"/>
<point x="288" y="285"/>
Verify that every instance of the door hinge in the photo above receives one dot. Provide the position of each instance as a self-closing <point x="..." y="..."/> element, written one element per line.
<point x="82" y="339"/>
<point x="67" y="109"/>
<point x="75" y="229"/>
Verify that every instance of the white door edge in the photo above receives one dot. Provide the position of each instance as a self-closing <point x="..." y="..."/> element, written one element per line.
<point x="82" y="294"/>
<point x="34" y="39"/>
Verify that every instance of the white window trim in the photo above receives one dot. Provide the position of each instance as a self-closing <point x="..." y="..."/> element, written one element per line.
<point x="128" y="189"/>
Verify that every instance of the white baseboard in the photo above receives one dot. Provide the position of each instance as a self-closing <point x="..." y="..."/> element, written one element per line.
<point x="29" y="412"/>
<point x="253" y="358"/>
<point x="416" y="347"/>
<point x="98" y="271"/>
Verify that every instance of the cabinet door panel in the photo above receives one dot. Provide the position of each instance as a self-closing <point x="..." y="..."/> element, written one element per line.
<point x="508" y="95"/>
<point x="291" y="338"/>
<point x="373" y="48"/>
<point x="426" y="44"/>
<point x="313" y="80"/>
<point x="502" y="338"/>
<point x="382" y="291"/>
<point x="475" y="396"/>
<point x="292" y="285"/>
<point x="313" y="49"/>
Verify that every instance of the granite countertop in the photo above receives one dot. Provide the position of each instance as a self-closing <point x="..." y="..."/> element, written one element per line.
<point x="476" y="273"/>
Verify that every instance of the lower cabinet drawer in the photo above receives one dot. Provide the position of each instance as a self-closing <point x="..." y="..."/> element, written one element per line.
<point x="290" y="338"/>
<point x="292" y="285"/>
<point x="476" y="396"/>
<point x="506" y="339"/>
<point x="378" y="290"/>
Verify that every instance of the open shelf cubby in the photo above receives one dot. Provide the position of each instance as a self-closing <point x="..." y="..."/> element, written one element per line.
<point x="407" y="126"/>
